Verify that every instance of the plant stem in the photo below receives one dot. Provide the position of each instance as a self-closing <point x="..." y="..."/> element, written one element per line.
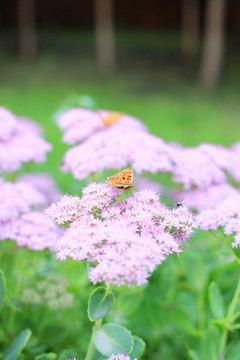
<point x="228" y="320"/>
<point x="91" y="346"/>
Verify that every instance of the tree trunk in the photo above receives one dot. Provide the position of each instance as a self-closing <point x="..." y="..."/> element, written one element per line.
<point x="104" y="35"/>
<point x="190" y="27"/>
<point x="27" y="29"/>
<point x="213" y="43"/>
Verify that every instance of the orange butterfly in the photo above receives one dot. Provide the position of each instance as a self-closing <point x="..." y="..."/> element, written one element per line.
<point x="111" y="117"/>
<point x="122" y="180"/>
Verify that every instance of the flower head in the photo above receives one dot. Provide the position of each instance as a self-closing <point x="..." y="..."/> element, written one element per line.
<point x="122" y="242"/>
<point x="20" y="142"/>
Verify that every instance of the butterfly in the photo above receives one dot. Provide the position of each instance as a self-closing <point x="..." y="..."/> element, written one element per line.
<point x="122" y="180"/>
<point x="111" y="117"/>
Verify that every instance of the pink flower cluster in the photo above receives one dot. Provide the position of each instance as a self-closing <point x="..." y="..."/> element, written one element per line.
<point x="115" y="144"/>
<point x="20" y="218"/>
<point x="226" y="215"/>
<point x="120" y="357"/>
<point x="20" y="141"/>
<point x="122" y="242"/>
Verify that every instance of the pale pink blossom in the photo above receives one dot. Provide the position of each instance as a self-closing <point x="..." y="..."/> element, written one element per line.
<point x="32" y="229"/>
<point x="226" y="216"/>
<point x="44" y="183"/>
<point x="206" y="198"/>
<point x="20" y="142"/>
<point x="8" y="124"/>
<point x="122" y="242"/>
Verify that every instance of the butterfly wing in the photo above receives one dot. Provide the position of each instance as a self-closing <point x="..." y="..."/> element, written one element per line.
<point x="122" y="180"/>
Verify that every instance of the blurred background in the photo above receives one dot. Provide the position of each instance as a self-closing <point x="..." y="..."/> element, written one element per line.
<point x="173" y="64"/>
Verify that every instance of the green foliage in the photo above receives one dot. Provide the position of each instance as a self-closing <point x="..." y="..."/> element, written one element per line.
<point x="139" y="347"/>
<point x="2" y="288"/>
<point x="113" y="339"/>
<point x="100" y="302"/>
<point x="216" y="301"/>
<point x="15" y="349"/>
<point x="47" y="356"/>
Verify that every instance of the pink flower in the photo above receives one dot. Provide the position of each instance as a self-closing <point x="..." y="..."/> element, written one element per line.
<point x="122" y="242"/>
<point x="8" y="124"/>
<point x="226" y="215"/>
<point x="44" y="183"/>
<point x="20" y="143"/>
<point x="206" y="198"/>
<point x="32" y="229"/>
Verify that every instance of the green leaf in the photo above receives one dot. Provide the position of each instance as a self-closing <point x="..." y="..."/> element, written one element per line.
<point x="138" y="347"/>
<point x="193" y="355"/>
<point x="14" y="350"/>
<point x="113" y="339"/>
<point x="100" y="302"/>
<point x="216" y="301"/>
<point x="46" y="356"/>
<point x="67" y="354"/>
<point x="233" y="351"/>
<point x="210" y="344"/>
<point x="2" y="288"/>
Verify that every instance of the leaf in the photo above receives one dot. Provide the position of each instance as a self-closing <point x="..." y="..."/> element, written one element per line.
<point x="193" y="355"/>
<point x="113" y="339"/>
<point x="233" y="351"/>
<point x="210" y="344"/>
<point x="216" y="301"/>
<point x="67" y="354"/>
<point x="14" y="350"/>
<point x="2" y="288"/>
<point x="138" y="347"/>
<point x="100" y="302"/>
<point x="46" y="356"/>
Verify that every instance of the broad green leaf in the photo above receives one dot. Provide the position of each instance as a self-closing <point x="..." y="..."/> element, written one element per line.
<point x="14" y="350"/>
<point x="216" y="301"/>
<point x="113" y="339"/>
<point x="193" y="355"/>
<point x="46" y="356"/>
<point x="2" y="288"/>
<point x="100" y="302"/>
<point x="210" y="344"/>
<point x="138" y="347"/>
<point x="233" y="351"/>
<point x="68" y="354"/>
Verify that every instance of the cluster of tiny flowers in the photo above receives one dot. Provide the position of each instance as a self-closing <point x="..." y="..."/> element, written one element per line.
<point x="20" y="142"/>
<point x="114" y="143"/>
<point x="207" y="198"/>
<point x="44" y="183"/>
<point x="122" y="242"/>
<point x="226" y="215"/>
<point x="20" y="218"/>
<point x="51" y="292"/>
<point x="120" y="357"/>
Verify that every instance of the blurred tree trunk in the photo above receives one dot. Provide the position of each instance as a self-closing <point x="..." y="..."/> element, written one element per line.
<point x="190" y="27"/>
<point x="104" y="35"/>
<point x="27" y="29"/>
<point x="210" y="70"/>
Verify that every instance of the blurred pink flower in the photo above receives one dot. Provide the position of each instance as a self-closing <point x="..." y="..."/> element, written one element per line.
<point x="122" y="242"/>
<point x="20" y="218"/>
<point x="19" y="142"/>
<point x="226" y="215"/>
<point x="44" y="183"/>
<point x="32" y="229"/>
<point x="206" y="198"/>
